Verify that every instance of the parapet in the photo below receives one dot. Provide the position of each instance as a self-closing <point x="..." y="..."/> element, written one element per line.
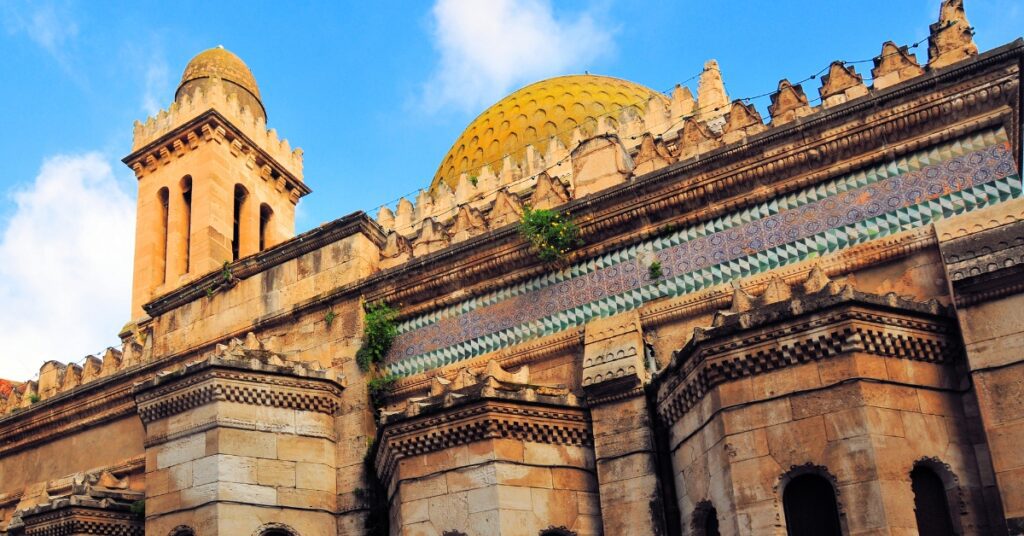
<point x="629" y="144"/>
<point x="189" y="106"/>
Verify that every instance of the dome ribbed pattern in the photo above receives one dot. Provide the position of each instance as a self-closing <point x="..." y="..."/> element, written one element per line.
<point x="531" y="115"/>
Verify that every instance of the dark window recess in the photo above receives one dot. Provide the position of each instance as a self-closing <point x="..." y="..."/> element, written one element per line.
<point x="931" y="506"/>
<point x="705" y="520"/>
<point x="810" y="505"/>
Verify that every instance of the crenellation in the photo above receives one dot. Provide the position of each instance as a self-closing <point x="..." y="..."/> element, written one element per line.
<point x="836" y="299"/>
<point x="191" y="106"/>
<point x="951" y="39"/>
<point x="841" y="84"/>
<point x="788" y="103"/>
<point x="743" y="121"/>
<point x="894" y="65"/>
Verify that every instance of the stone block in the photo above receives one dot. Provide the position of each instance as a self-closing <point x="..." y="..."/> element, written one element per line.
<point x="305" y="449"/>
<point x="315" y="476"/>
<point x="198" y="495"/>
<point x="414" y="511"/>
<point x="425" y="487"/>
<point x="745" y="445"/>
<point x="613" y="470"/>
<point x="482" y="499"/>
<point x="785" y="380"/>
<point x="514" y="498"/>
<point x="472" y="477"/>
<point x="826" y="401"/>
<point x="180" y="450"/>
<point x="545" y="454"/>
<point x="753" y="480"/>
<point x="275" y="473"/>
<point x="246" y="493"/>
<point x="574" y="479"/>
<point x="523" y="475"/>
<point x="555" y="507"/>
<point x="224" y="468"/>
<point x="797" y="442"/>
<point x="241" y="443"/>
<point x="178" y="476"/>
<point x="306" y="498"/>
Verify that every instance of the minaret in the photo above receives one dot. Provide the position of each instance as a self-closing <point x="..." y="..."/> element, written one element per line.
<point x="214" y="184"/>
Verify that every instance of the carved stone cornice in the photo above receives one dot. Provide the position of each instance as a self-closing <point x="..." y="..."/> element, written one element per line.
<point x="803" y="330"/>
<point x="251" y="381"/>
<point x="929" y="109"/>
<point x="984" y="254"/>
<point x="489" y="410"/>
<point x="77" y="515"/>
<point x="211" y="125"/>
<point x="320" y="237"/>
<point x="103" y="401"/>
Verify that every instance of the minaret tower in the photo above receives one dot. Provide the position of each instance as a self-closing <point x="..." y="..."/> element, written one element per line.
<point x="214" y="184"/>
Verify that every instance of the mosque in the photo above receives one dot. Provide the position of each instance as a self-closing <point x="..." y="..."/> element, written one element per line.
<point x="611" y="312"/>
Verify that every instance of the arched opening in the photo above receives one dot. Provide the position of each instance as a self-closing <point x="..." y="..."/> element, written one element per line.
<point x="266" y="214"/>
<point x="705" y="520"/>
<point x="275" y="529"/>
<point x="809" y="502"/>
<point x="557" y="531"/>
<point x="931" y="504"/>
<point x="186" y="196"/>
<point x="236" y="234"/>
<point x="163" y="199"/>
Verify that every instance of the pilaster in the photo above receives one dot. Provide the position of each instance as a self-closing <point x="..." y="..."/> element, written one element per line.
<point x="239" y="439"/>
<point x="983" y="253"/>
<point x="614" y="372"/>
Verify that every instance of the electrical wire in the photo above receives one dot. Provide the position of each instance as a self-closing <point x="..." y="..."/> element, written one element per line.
<point x="695" y="112"/>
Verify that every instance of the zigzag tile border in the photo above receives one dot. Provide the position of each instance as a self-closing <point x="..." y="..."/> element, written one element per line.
<point x="911" y="192"/>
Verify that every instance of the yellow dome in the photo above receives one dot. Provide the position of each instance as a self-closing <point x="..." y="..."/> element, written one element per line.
<point x="531" y="115"/>
<point x="219" y="63"/>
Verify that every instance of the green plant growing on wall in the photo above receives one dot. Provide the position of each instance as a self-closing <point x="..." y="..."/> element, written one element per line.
<point x="329" y="318"/>
<point x="379" y="386"/>
<point x="379" y="331"/>
<point x="474" y="180"/>
<point x="33" y="398"/>
<point x="551" y="234"/>
<point x="654" y="270"/>
<point x="138" y="509"/>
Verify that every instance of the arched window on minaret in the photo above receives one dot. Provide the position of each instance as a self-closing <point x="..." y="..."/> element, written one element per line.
<point x="933" y="483"/>
<point x="266" y="214"/>
<point x="236" y="236"/>
<point x="163" y="198"/>
<point x="809" y="502"/>
<point x="186" y="195"/>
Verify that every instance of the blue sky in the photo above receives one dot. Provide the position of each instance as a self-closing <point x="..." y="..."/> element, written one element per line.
<point x="374" y="92"/>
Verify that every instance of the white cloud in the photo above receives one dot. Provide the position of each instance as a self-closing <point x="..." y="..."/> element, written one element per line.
<point x="45" y="24"/>
<point x="488" y="48"/>
<point x="65" y="265"/>
<point x="156" y="86"/>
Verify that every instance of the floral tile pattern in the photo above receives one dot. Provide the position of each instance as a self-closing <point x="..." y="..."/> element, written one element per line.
<point x="908" y="193"/>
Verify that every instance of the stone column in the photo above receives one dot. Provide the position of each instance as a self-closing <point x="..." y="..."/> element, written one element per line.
<point x="982" y="252"/>
<point x="614" y="372"/>
<point x="239" y="442"/>
<point x="176" y="239"/>
<point x="249" y="226"/>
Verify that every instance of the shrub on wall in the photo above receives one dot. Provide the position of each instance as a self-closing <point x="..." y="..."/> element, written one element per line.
<point x="551" y="234"/>
<point x="379" y="331"/>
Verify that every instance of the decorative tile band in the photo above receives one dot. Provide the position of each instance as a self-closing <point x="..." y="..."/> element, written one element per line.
<point x="908" y="193"/>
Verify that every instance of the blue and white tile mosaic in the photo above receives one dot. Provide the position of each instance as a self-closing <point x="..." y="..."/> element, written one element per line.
<point x="905" y="194"/>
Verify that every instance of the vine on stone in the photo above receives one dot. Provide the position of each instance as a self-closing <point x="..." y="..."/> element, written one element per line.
<point x="551" y="234"/>
<point x="379" y="332"/>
